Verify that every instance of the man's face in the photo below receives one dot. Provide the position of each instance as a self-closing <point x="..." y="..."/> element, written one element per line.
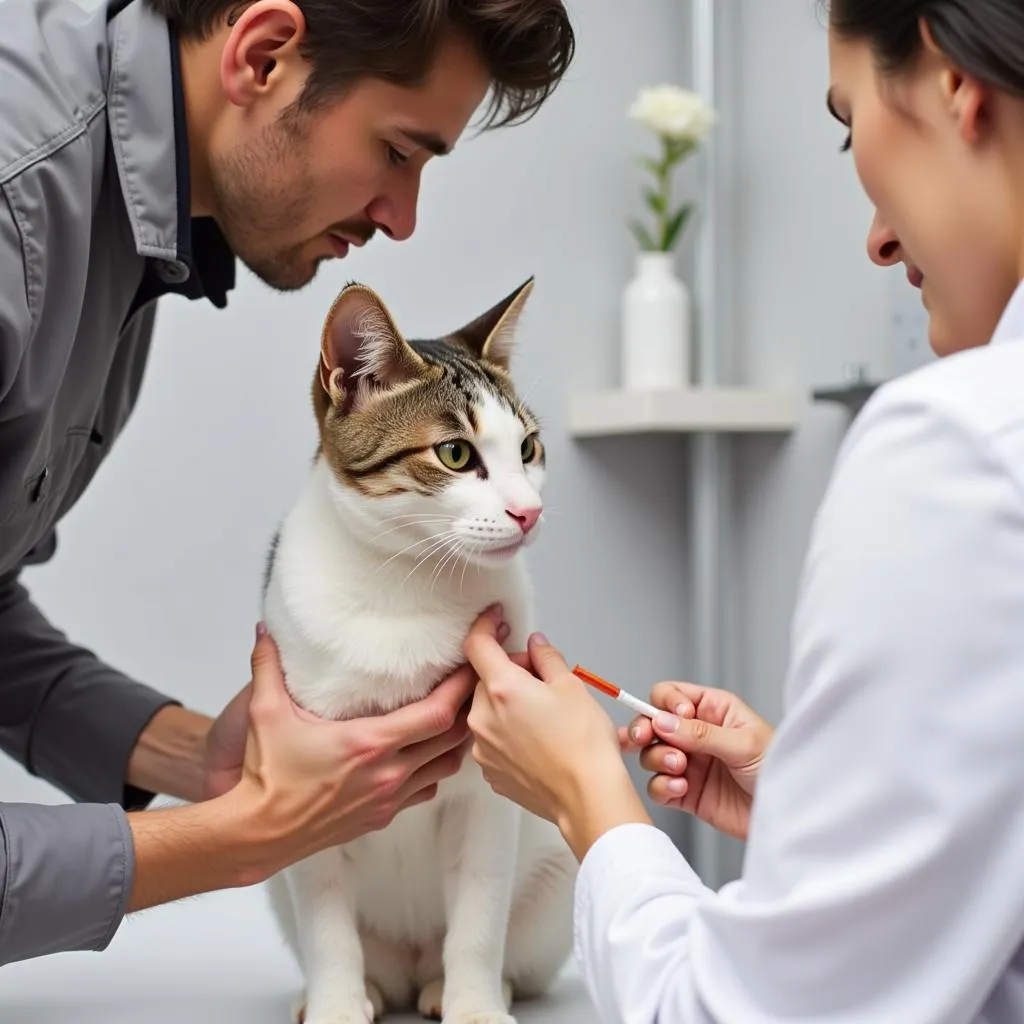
<point x="289" y="190"/>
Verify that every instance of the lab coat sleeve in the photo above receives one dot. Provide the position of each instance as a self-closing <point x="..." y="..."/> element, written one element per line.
<point x="66" y="875"/>
<point x="882" y="879"/>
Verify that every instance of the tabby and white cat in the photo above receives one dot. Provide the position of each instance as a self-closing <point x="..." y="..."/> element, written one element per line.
<point x="425" y="489"/>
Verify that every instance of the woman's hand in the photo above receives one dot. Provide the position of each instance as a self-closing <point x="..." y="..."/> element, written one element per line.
<point x="710" y="751"/>
<point x="546" y="743"/>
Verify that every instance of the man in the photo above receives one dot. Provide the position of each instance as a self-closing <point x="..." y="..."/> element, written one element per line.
<point x="144" y="146"/>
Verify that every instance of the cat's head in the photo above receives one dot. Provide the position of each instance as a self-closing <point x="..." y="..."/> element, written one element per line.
<point x="433" y="453"/>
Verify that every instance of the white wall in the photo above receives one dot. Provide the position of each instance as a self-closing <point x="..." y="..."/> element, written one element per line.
<point x="159" y="566"/>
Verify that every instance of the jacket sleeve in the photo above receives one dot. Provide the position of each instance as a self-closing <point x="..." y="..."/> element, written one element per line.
<point x="65" y="871"/>
<point x="66" y="876"/>
<point x="65" y="715"/>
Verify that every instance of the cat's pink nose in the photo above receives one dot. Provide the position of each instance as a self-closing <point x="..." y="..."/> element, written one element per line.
<point x="525" y="517"/>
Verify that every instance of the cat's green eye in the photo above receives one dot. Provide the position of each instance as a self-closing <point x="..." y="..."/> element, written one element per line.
<point x="529" y="448"/>
<point x="456" y="455"/>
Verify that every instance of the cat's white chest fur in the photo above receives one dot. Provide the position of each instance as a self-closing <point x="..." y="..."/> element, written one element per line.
<point x="359" y="637"/>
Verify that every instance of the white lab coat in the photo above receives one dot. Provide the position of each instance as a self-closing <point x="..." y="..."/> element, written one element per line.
<point x="884" y="871"/>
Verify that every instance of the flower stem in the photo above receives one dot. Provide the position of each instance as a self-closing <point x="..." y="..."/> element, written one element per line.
<point x="665" y="191"/>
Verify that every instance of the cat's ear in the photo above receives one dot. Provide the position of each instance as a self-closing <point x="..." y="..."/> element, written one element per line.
<point x="492" y="336"/>
<point x="362" y="351"/>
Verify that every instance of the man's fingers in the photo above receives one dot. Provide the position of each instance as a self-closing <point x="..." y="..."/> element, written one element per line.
<point x="416" y="756"/>
<point x="433" y="771"/>
<point x="420" y="797"/>
<point x="430" y="717"/>
<point x="548" y="662"/>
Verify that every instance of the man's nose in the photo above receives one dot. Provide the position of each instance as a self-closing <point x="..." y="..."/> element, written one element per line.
<point x="394" y="212"/>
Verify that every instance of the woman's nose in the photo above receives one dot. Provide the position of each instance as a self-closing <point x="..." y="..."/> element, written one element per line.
<point x="883" y="245"/>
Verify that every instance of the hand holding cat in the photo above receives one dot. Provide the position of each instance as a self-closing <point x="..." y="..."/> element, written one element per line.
<point x="308" y="783"/>
<point x="545" y="743"/>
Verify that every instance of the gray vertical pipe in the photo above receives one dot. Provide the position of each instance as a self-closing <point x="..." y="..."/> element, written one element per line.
<point x="707" y="511"/>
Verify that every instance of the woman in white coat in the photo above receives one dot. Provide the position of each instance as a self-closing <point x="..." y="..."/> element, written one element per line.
<point x="884" y="871"/>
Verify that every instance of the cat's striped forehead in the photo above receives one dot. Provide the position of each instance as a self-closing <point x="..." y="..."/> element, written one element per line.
<point x="466" y="380"/>
<point x="388" y="446"/>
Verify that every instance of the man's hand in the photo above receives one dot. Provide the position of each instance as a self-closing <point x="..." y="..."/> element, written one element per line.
<point x="304" y="784"/>
<point x="317" y="783"/>
<point x="224" y="749"/>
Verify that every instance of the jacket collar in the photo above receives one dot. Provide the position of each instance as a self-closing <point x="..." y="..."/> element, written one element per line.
<point x="146" y="117"/>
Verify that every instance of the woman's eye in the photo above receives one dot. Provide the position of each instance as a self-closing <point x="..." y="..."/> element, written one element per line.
<point x="456" y="455"/>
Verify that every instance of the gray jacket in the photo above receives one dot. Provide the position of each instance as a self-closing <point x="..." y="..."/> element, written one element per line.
<point x="94" y="228"/>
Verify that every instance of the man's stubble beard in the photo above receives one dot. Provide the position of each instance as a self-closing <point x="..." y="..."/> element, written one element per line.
<point x="260" y="197"/>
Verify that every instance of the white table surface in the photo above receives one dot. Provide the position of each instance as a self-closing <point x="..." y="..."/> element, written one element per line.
<point x="211" y="960"/>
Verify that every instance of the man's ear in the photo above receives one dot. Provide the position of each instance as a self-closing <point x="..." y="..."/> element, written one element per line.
<point x="261" y="49"/>
<point x="492" y="335"/>
<point x="362" y="352"/>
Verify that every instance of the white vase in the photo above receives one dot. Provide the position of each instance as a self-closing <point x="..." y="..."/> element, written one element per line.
<point x="655" y="326"/>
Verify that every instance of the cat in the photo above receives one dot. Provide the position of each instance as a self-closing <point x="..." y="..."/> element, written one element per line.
<point x="423" y="494"/>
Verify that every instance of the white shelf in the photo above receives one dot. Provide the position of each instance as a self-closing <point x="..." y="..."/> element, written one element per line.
<point x="694" y="410"/>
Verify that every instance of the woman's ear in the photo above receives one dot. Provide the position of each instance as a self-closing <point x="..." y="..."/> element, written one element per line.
<point x="967" y="99"/>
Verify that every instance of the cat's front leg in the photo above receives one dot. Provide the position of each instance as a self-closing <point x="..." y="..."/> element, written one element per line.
<point x="480" y="840"/>
<point x="328" y="940"/>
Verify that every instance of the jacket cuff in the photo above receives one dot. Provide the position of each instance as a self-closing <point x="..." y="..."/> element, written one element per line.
<point x="86" y="730"/>
<point x="66" y="875"/>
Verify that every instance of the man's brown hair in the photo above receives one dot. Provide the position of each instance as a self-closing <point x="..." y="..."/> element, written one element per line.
<point x="526" y="45"/>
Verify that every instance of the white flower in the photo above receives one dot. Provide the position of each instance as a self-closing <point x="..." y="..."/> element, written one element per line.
<point x="673" y="112"/>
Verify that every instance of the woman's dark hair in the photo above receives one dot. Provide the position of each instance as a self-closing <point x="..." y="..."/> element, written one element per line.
<point x="526" y="45"/>
<point x="984" y="38"/>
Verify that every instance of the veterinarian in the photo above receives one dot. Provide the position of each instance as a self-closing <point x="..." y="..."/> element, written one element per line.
<point x="884" y="872"/>
<point x="145" y="146"/>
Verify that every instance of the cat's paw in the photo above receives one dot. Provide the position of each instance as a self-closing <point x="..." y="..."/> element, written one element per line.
<point x="480" y="1018"/>
<point x="371" y="1011"/>
<point x="430" y="1000"/>
<point x="430" y="1005"/>
<point x="375" y="1001"/>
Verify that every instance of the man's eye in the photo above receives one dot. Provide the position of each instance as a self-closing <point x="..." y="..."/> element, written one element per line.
<point x="395" y="157"/>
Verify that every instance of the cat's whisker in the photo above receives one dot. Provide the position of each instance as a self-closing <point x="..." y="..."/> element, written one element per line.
<point x="419" y="522"/>
<point x="436" y="575"/>
<point x="409" y="547"/>
<point x="416" y="515"/>
<point x="452" y="545"/>
<point x="439" y="545"/>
